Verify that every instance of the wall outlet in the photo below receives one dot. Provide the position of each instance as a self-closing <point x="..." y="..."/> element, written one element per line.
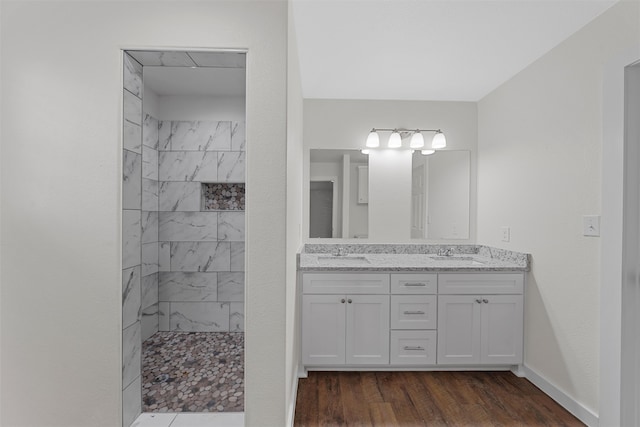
<point x="506" y="233"/>
<point x="591" y="225"/>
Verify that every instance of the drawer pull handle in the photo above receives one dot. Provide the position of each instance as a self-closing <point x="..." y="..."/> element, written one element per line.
<point x="415" y="284"/>
<point x="417" y="347"/>
<point x="414" y="312"/>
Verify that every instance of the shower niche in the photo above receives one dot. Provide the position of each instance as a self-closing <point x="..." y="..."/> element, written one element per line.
<point x="183" y="232"/>
<point x="223" y="197"/>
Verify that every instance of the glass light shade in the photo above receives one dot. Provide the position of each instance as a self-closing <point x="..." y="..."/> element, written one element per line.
<point x="373" y="140"/>
<point x="439" y="141"/>
<point x="365" y="151"/>
<point x="417" y="140"/>
<point x="427" y="152"/>
<point x="395" y="140"/>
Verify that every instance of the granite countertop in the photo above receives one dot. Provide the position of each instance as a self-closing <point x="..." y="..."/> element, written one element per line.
<point x="364" y="258"/>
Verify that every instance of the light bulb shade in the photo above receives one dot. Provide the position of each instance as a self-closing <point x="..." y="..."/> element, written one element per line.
<point x="373" y="140"/>
<point x="427" y="152"/>
<point x="417" y="140"/>
<point x="395" y="140"/>
<point x="439" y="141"/>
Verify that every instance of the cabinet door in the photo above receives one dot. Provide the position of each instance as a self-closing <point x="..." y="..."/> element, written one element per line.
<point x="459" y="329"/>
<point x="502" y="318"/>
<point x="323" y="329"/>
<point x="367" y="329"/>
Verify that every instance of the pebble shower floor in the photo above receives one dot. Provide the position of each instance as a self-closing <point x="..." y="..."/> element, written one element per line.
<point x="193" y="372"/>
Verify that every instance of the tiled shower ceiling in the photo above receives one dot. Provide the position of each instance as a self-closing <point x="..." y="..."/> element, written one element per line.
<point x="227" y="59"/>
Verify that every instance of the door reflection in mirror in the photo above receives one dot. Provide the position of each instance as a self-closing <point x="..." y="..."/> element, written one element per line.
<point x="348" y="212"/>
<point x="440" y="195"/>
<point x="321" y="209"/>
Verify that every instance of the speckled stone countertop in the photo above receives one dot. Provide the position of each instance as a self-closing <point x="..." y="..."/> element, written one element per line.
<point x="412" y="257"/>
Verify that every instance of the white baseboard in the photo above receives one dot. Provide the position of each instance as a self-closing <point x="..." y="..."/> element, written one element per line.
<point x="291" y="413"/>
<point x="581" y="412"/>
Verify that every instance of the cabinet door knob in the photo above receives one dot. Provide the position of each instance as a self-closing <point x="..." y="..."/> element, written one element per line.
<point x="479" y="301"/>
<point x="342" y="300"/>
<point x="349" y="301"/>
<point x="485" y="301"/>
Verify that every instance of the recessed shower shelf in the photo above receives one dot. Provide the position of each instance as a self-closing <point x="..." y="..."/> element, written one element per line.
<point x="223" y="196"/>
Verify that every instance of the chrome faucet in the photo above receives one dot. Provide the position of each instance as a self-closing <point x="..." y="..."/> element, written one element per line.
<point x="340" y="251"/>
<point x="446" y="252"/>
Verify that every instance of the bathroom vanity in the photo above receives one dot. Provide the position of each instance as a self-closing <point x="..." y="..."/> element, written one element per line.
<point x="404" y="307"/>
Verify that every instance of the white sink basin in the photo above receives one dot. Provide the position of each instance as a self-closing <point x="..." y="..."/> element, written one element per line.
<point x="467" y="260"/>
<point x="342" y="260"/>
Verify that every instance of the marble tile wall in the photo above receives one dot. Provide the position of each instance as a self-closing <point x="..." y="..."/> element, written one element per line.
<point x="201" y="243"/>
<point x="135" y="232"/>
<point x="150" y="226"/>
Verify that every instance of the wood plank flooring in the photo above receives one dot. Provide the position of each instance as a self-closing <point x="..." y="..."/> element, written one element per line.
<point x="410" y="399"/>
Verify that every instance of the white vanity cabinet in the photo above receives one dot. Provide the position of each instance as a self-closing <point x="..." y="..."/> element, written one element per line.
<point x="348" y="328"/>
<point x="480" y="318"/>
<point x="411" y="320"/>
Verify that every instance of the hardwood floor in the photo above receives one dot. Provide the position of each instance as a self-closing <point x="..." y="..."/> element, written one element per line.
<point x="425" y="399"/>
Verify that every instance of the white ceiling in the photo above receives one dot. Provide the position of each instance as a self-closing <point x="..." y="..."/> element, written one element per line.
<point x="452" y="50"/>
<point x="457" y="50"/>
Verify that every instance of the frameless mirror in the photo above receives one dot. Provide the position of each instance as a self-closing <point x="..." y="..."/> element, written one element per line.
<point x="338" y="194"/>
<point x="440" y="189"/>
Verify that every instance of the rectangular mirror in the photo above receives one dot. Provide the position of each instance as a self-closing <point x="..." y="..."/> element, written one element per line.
<point x="440" y="190"/>
<point x="338" y="194"/>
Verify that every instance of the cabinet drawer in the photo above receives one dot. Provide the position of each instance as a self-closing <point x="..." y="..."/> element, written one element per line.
<point x="413" y="348"/>
<point x="414" y="311"/>
<point x="344" y="283"/>
<point x="414" y="283"/>
<point x="480" y="283"/>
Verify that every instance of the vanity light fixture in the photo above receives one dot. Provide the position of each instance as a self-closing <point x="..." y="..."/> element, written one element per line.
<point x="417" y="140"/>
<point x="373" y="140"/>
<point x="439" y="141"/>
<point x="397" y="134"/>
<point x="395" y="140"/>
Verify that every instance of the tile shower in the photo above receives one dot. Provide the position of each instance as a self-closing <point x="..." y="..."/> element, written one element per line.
<point x="183" y="260"/>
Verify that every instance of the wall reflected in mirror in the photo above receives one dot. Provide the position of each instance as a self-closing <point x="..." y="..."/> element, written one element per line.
<point x="338" y="194"/>
<point x="440" y="191"/>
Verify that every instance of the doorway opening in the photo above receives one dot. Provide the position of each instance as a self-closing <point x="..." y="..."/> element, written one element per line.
<point x="183" y="225"/>
<point x="323" y="203"/>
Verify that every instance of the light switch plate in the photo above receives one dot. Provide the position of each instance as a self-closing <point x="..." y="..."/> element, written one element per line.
<point x="591" y="225"/>
<point x="506" y="233"/>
